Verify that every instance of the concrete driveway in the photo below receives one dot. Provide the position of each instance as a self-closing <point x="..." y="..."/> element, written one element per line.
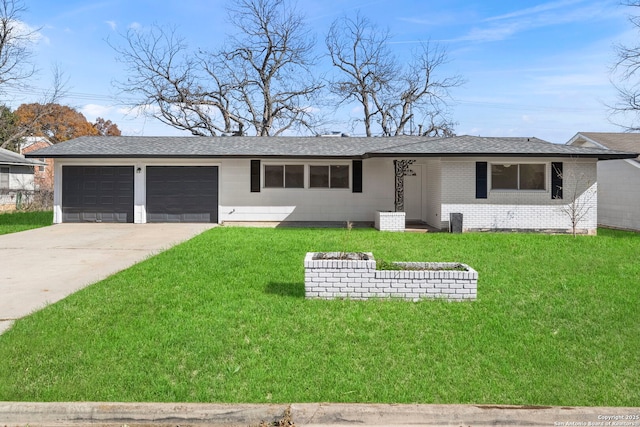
<point x="42" y="266"/>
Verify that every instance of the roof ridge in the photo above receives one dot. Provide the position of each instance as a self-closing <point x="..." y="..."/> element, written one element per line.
<point x="433" y="138"/>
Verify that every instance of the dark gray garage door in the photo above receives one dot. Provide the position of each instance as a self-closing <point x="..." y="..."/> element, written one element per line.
<point x="182" y="194"/>
<point x="97" y="193"/>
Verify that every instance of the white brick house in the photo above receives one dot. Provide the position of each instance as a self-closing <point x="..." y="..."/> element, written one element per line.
<point x="496" y="183"/>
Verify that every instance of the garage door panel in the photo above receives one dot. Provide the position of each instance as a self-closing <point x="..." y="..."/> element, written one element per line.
<point x="97" y="194"/>
<point x="179" y="217"/>
<point x="182" y="194"/>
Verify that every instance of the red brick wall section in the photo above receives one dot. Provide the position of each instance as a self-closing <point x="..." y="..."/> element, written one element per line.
<point x="43" y="178"/>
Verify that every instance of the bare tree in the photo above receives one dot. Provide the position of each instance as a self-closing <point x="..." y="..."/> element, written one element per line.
<point x="16" y="68"/>
<point x="16" y="40"/>
<point x="395" y="96"/>
<point x="167" y="82"/>
<point x="273" y="56"/>
<point x="15" y="65"/>
<point x="261" y="80"/>
<point x="420" y="92"/>
<point x="14" y="130"/>
<point x="580" y="193"/>
<point x="626" y="70"/>
<point x="358" y="48"/>
<point x="437" y="124"/>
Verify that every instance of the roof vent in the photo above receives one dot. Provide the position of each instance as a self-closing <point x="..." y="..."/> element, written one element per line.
<point x="333" y="134"/>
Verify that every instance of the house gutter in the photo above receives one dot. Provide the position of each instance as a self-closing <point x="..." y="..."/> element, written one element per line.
<point x="601" y="156"/>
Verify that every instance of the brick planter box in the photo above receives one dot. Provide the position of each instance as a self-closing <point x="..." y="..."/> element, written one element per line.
<point x="359" y="279"/>
<point x="390" y="221"/>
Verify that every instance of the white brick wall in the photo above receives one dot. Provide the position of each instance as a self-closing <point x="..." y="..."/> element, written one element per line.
<point x="520" y="210"/>
<point x="448" y="187"/>
<point x="329" y="279"/>
<point x="237" y="203"/>
<point x="389" y="221"/>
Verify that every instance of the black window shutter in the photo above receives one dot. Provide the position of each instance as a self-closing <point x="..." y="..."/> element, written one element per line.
<point x="481" y="180"/>
<point x="556" y="180"/>
<point x="356" y="171"/>
<point x="255" y="176"/>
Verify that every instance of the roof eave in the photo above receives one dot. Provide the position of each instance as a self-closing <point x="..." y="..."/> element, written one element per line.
<point x="599" y="156"/>
<point x="34" y="163"/>
<point x="192" y="156"/>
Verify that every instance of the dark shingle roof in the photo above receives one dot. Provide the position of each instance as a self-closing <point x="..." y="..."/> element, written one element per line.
<point x="497" y="146"/>
<point x="623" y="141"/>
<point x="313" y="147"/>
<point x="10" y="158"/>
<point x="140" y="146"/>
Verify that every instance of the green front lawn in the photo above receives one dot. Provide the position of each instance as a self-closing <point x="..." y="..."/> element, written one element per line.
<point x="222" y="318"/>
<point x="20" y="221"/>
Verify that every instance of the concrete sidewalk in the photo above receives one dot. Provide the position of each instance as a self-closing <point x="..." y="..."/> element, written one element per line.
<point x="307" y="414"/>
<point x="44" y="265"/>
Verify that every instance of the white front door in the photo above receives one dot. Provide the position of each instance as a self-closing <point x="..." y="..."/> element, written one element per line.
<point x="413" y="194"/>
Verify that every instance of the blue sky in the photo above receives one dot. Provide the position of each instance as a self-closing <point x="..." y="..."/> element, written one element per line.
<point x="532" y="68"/>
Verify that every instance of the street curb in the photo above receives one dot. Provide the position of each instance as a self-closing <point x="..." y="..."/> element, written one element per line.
<point x="307" y="414"/>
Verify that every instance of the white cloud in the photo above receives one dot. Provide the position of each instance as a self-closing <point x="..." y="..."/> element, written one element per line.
<point x="111" y="24"/>
<point x="495" y="33"/>
<point x="139" y="111"/>
<point x="311" y="110"/>
<point x="135" y="26"/>
<point x="436" y="18"/>
<point x="125" y="111"/>
<point x="29" y="34"/>
<point x="93" y="111"/>
<point x="562" y="12"/>
<point x="535" y="10"/>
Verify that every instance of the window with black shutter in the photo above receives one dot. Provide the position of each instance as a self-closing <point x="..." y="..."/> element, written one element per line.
<point x="556" y="180"/>
<point x="481" y="180"/>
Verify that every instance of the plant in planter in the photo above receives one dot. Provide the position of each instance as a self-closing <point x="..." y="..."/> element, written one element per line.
<point x="421" y="266"/>
<point x="344" y="254"/>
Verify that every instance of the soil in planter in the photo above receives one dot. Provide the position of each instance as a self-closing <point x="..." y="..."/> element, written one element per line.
<point x="386" y="265"/>
<point x="351" y="256"/>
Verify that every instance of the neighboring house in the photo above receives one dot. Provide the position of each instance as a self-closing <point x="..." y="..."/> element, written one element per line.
<point x="496" y="183"/>
<point x="43" y="174"/>
<point x="618" y="181"/>
<point x="16" y="179"/>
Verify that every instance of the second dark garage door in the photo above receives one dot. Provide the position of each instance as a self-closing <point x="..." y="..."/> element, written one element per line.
<point x="182" y="194"/>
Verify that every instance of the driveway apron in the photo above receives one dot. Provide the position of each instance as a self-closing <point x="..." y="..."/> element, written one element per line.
<point x="41" y="266"/>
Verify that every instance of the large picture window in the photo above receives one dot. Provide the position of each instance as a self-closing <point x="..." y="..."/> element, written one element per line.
<point x="293" y="176"/>
<point x="332" y="176"/>
<point x="525" y="176"/>
<point x="284" y="176"/>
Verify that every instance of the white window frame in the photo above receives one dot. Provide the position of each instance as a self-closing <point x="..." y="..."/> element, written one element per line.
<point x="518" y="189"/>
<point x="328" y="165"/>
<point x="307" y="174"/>
<point x="284" y="180"/>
